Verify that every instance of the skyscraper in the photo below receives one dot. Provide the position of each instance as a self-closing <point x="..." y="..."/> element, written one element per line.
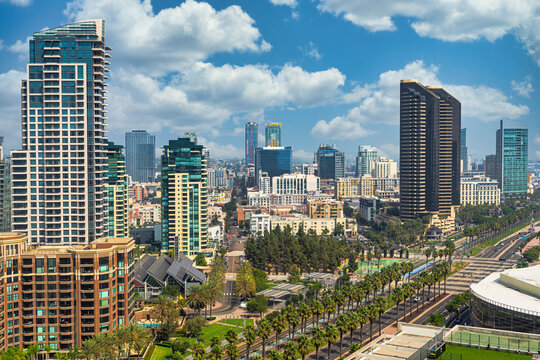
<point x="365" y="160"/>
<point x="272" y="134"/>
<point x="58" y="182"/>
<point x="490" y="167"/>
<point x="117" y="191"/>
<point x="274" y="161"/>
<point x="430" y="123"/>
<point x="184" y="199"/>
<point x="140" y="155"/>
<point x="251" y="142"/>
<point x="512" y="157"/>
<point x="330" y="162"/>
<point x="464" y="156"/>
<point x="5" y="193"/>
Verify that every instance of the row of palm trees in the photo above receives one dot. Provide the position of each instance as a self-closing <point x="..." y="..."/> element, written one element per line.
<point x="337" y="313"/>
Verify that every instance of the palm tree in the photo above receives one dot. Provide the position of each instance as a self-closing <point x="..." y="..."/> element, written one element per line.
<point x="278" y="324"/>
<point x="292" y="318"/>
<point x="317" y="309"/>
<point x="88" y="349"/>
<point x="197" y="297"/>
<point x="342" y="324"/>
<point x="372" y="313"/>
<point x="264" y="333"/>
<point x="339" y="299"/>
<point x="329" y="305"/>
<point x="331" y="333"/>
<point x="291" y="351"/>
<point x="274" y="355"/>
<point x="215" y="340"/>
<point x="382" y="305"/>
<point x="231" y="336"/>
<point x="216" y="353"/>
<point x="232" y="351"/>
<point x="318" y="339"/>
<point x="363" y="319"/>
<point x="199" y="351"/>
<point x="397" y="296"/>
<point x="352" y="324"/>
<point x="305" y="313"/>
<point x="250" y="335"/>
<point x="245" y="281"/>
<point x="304" y="344"/>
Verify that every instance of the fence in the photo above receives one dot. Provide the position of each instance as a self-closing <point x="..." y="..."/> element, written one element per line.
<point x="492" y="342"/>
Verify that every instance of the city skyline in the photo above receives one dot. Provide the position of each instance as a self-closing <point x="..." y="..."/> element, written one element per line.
<point x="302" y="80"/>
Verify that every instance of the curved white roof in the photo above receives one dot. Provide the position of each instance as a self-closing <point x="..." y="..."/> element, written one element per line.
<point x="517" y="290"/>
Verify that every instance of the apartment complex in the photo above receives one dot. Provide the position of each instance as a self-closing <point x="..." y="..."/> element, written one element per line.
<point x="140" y="155"/>
<point x="367" y="155"/>
<point x="479" y="190"/>
<point x="62" y="295"/>
<point x="58" y="178"/>
<point x="116" y="183"/>
<point x="295" y="184"/>
<point x="384" y="168"/>
<point x="5" y="193"/>
<point x="325" y="209"/>
<point x="184" y="200"/>
<point x="430" y="126"/>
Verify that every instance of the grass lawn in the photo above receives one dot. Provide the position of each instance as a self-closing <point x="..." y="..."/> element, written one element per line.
<point x="237" y="322"/>
<point x="371" y="267"/>
<point x="453" y="352"/>
<point x="216" y="330"/>
<point x="161" y="352"/>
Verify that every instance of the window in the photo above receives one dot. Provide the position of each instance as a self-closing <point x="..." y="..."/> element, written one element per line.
<point x="104" y="294"/>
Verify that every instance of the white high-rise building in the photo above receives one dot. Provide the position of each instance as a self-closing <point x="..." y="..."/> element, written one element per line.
<point x="295" y="184"/>
<point x="367" y="155"/>
<point x="478" y="190"/>
<point x="384" y="168"/>
<point x="58" y="178"/>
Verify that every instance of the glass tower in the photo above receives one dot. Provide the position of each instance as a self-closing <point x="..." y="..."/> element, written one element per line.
<point x="330" y="162"/>
<point x="140" y="155"/>
<point x="117" y="191"/>
<point x="252" y="142"/>
<point x="273" y="160"/>
<point x="365" y="161"/>
<point x="184" y="200"/>
<point x="464" y="156"/>
<point x="58" y="179"/>
<point x="512" y="157"/>
<point x="272" y="134"/>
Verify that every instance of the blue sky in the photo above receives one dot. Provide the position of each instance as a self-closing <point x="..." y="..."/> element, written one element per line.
<point x="329" y="70"/>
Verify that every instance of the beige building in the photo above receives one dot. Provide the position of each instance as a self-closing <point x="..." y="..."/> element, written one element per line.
<point x="384" y="168"/>
<point x="347" y="188"/>
<point x="325" y="209"/>
<point x="367" y="186"/>
<point x="479" y="190"/>
<point x="317" y="225"/>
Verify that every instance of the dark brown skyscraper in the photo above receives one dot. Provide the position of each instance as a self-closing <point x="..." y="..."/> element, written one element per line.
<point x="430" y="125"/>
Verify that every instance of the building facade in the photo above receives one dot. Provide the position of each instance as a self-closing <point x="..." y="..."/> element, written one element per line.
<point x="140" y="155"/>
<point x="184" y="201"/>
<point x="365" y="159"/>
<point x="116" y="183"/>
<point x="274" y="161"/>
<point x="62" y="295"/>
<point x="464" y="156"/>
<point x="325" y="209"/>
<point x="368" y="207"/>
<point x="490" y="167"/>
<point x="295" y="184"/>
<point x="512" y="158"/>
<point x="430" y="125"/>
<point x="5" y="191"/>
<point x="479" y="190"/>
<point x="330" y="162"/>
<point x="272" y="135"/>
<point x="384" y="168"/>
<point x="58" y="192"/>
<point x="347" y="188"/>
<point x="251" y="142"/>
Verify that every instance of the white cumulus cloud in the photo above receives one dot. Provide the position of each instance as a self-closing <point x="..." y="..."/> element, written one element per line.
<point x="10" y="107"/>
<point x="17" y="2"/>
<point x="523" y="88"/>
<point x="291" y="3"/>
<point x="379" y="102"/>
<point x="463" y="20"/>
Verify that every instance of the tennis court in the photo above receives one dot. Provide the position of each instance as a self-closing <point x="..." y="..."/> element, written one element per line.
<point x="369" y="267"/>
<point x="470" y="338"/>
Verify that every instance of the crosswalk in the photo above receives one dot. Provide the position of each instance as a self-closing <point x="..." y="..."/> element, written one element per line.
<point x="476" y="270"/>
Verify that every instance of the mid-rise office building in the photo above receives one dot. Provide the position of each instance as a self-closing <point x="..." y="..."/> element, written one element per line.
<point x="58" y="181"/>
<point x="463" y="151"/>
<point x="273" y="160"/>
<point x="140" y="155"/>
<point x="365" y="160"/>
<point x="61" y="296"/>
<point x="330" y="162"/>
<point x="512" y="157"/>
<point x="116" y="183"/>
<point x="251" y="142"/>
<point x="384" y="168"/>
<point x="430" y="125"/>
<point x="272" y="134"/>
<point x="490" y="167"/>
<point x="5" y="193"/>
<point x="295" y="184"/>
<point x="478" y="190"/>
<point x="184" y="199"/>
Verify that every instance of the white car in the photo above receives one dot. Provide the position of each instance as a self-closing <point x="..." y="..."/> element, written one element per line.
<point x="243" y="305"/>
